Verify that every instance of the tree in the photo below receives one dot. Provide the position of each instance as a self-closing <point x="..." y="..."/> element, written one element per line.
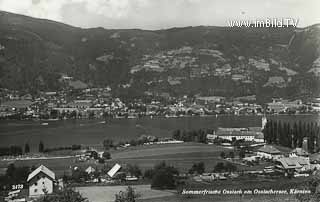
<point x="148" y="174"/>
<point x="314" y="186"/>
<point x="198" y="168"/>
<point x="223" y="155"/>
<point x="164" y="176"/>
<point x="231" y="154"/>
<point x="126" y="196"/>
<point x="242" y="153"/>
<point x="106" y="155"/>
<point x="15" y="175"/>
<point x="66" y="195"/>
<point x="79" y="175"/>
<point x="134" y="170"/>
<point x="176" y="135"/>
<point x="107" y="144"/>
<point x="26" y="148"/>
<point x="41" y="146"/>
<point x="230" y="167"/>
<point x="219" y="167"/>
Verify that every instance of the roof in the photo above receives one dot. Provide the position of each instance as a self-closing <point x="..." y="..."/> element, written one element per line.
<point x="90" y="169"/>
<point x="42" y="169"/>
<point x="315" y="157"/>
<point x="269" y="149"/>
<point x="300" y="152"/>
<point x="293" y="162"/>
<point x="237" y="133"/>
<point x="114" y="170"/>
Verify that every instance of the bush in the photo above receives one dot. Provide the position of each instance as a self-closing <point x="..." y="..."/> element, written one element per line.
<point x="14" y="175"/>
<point x="107" y="144"/>
<point x="41" y="147"/>
<point x="164" y="176"/>
<point x="101" y="160"/>
<point x="219" y="167"/>
<point x="242" y="153"/>
<point x="66" y="195"/>
<point x="106" y="155"/>
<point x="231" y="155"/>
<point x="228" y="167"/>
<point x="148" y="174"/>
<point x="126" y="196"/>
<point x="134" y="170"/>
<point x="198" y="168"/>
<point x="223" y="155"/>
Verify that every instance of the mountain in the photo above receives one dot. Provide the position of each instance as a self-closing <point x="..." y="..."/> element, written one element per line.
<point x="36" y="53"/>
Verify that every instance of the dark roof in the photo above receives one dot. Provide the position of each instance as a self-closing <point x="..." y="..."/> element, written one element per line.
<point x="300" y="152"/>
<point x="269" y="149"/>
<point x="293" y="162"/>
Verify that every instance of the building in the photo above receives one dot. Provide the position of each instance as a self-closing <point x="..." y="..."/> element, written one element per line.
<point x="41" y="181"/>
<point x="114" y="170"/>
<point x="268" y="152"/>
<point x="299" y="152"/>
<point x="292" y="164"/>
<point x="90" y="170"/>
<point x="239" y="134"/>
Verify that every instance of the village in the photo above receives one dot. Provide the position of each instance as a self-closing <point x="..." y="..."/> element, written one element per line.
<point x="98" y="103"/>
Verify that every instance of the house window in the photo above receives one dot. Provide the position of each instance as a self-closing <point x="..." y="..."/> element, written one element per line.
<point x="35" y="183"/>
<point x="35" y="190"/>
<point x="42" y="182"/>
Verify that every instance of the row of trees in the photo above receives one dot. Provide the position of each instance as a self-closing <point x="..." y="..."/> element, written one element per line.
<point x="192" y="135"/>
<point x="290" y="134"/>
<point x="15" y="150"/>
<point x="199" y="168"/>
<point x="14" y="175"/>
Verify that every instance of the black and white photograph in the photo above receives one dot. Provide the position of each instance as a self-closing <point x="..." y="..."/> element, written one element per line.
<point x="159" y="101"/>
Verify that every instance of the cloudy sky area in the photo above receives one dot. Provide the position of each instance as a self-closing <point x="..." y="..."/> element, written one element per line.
<point x="159" y="14"/>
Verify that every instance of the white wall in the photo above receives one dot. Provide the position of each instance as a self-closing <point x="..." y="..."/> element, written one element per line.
<point x="40" y="183"/>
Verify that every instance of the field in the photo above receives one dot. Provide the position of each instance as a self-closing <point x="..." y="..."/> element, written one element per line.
<point x="107" y="193"/>
<point x="181" y="156"/>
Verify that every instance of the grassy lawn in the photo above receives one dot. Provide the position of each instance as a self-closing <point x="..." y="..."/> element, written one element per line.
<point x="181" y="156"/>
<point x="159" y="150"/>
<point x="107" y="193"/>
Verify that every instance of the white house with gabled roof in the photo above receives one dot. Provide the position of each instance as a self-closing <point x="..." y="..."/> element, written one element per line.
<point x="41" y="181"/>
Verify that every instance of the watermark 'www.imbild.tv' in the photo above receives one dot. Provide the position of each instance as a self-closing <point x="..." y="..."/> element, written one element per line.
<point x="268" y="22"/>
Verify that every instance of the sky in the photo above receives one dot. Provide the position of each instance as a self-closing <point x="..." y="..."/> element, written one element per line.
<point x="162" y="14"/>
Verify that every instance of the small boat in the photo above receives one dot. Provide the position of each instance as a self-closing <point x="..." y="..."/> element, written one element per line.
<point x="44" y="124"/>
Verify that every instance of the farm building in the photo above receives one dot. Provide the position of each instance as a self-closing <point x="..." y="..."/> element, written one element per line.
<point x="90" y="170"/>
<point x="291" y="164"/>
<point x="113" y="171"/>
<point x="239" y="134"/>
<point x="299" y="152"/>
<point x="268" y="152"/>
<point x="41" y="181"/>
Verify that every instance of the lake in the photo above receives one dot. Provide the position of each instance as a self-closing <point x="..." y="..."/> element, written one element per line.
<point x="91" y="132"/>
